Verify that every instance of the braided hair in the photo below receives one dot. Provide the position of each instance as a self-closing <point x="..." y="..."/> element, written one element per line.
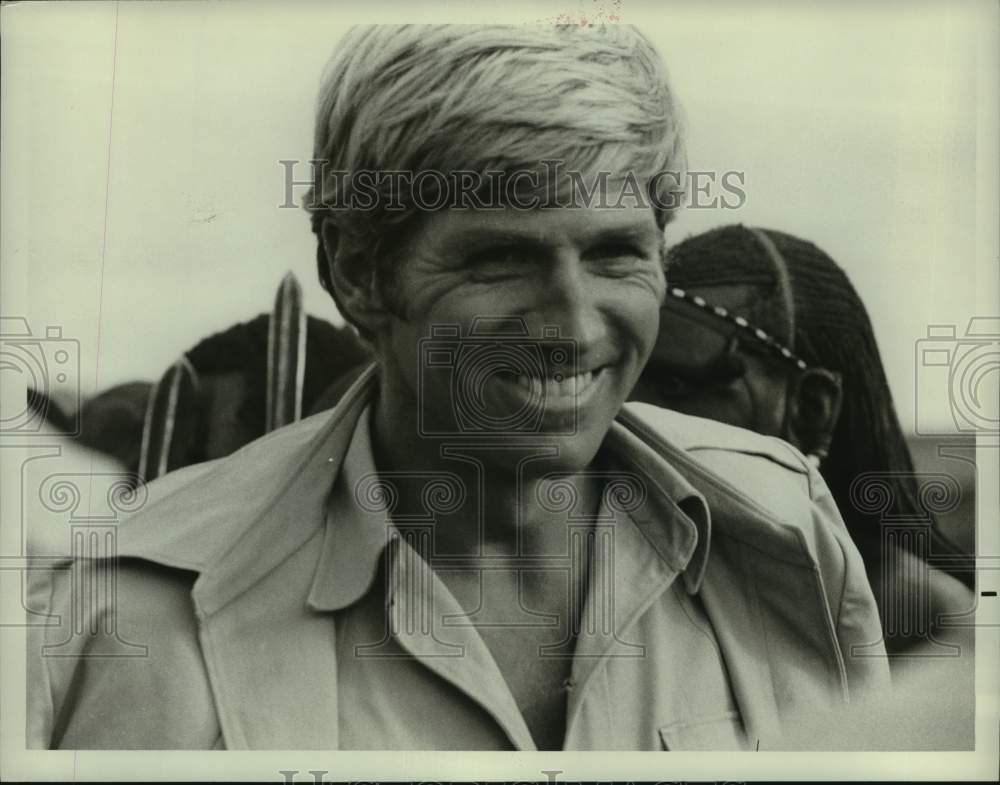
<point x="807" y="302"/>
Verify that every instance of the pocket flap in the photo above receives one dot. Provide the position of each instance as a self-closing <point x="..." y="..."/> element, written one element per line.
<point x="718" y="732"/>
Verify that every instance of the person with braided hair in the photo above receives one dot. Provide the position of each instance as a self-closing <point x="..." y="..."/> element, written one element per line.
<point x="763" y="330"/>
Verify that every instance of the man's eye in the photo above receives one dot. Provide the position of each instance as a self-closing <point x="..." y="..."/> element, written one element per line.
<point x="615" y="250"/>
<point x="498" y="263"/>
<point x="497" y="256"/>
<point x="618" y="251"/>
<point x="619" y="259"/>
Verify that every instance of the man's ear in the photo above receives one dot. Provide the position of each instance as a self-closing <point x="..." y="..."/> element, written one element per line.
<point x="814" y="403"/>
<point x="355" y="286"/>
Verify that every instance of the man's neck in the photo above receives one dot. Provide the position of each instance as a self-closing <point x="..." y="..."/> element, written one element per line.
<point x="516" y="500"/>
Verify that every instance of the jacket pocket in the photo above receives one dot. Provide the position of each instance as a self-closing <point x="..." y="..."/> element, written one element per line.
<point x="718" y="732"/>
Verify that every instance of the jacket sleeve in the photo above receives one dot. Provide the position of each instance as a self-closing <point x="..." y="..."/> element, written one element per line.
<point x="856" y="616"/>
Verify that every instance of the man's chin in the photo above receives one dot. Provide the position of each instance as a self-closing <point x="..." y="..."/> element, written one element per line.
<point x="571" y="453"/>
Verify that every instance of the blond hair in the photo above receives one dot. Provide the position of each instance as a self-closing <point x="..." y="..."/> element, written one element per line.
<point x="443" y="98"/>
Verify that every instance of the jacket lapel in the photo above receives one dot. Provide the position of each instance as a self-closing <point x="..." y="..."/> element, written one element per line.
<point x="272" y="662"/>
<point x="255" y="543"/>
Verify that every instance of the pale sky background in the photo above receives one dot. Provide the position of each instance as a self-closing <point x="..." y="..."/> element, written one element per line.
<point x="141" y="184"/>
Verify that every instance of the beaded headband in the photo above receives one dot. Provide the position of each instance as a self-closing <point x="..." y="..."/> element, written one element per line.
<point x="758" y="334"/>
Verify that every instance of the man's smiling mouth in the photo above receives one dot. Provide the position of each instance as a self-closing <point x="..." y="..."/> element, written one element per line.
<point x="560" y="385"/>
<point x="556" y="390"/>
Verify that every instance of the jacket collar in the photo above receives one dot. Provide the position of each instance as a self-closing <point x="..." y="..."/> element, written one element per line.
<point x="675" y="518"/>
<point x="211" y="520"/>
<point x="358" y="528"/>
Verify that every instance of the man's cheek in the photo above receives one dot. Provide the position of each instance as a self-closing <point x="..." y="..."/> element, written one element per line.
<point x="645" y="317"/>
<point x="453" y="303"/>
<point x="659" y="284"/>
<point x="652" y="279"/>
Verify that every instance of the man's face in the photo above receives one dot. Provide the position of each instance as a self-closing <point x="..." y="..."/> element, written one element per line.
<point x="592" y="274"/>
<point x="697" y="368"/>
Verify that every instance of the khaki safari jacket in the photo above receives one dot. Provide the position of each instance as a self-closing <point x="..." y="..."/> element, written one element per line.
<point x="211" y="578"/>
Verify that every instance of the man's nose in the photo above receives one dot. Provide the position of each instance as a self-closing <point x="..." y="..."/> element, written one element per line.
<point x="572" y="300"/>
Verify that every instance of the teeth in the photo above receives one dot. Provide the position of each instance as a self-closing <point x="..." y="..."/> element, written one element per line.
<point x="561" y="387"/>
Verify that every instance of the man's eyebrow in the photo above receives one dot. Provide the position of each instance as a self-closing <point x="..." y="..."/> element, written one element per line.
<point x="496" y="236"/>
<point x="634" y="232"/>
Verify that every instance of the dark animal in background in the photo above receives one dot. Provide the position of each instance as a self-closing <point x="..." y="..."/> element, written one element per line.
<point x="111" y="422"/>
<point x="215" y="398"/>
